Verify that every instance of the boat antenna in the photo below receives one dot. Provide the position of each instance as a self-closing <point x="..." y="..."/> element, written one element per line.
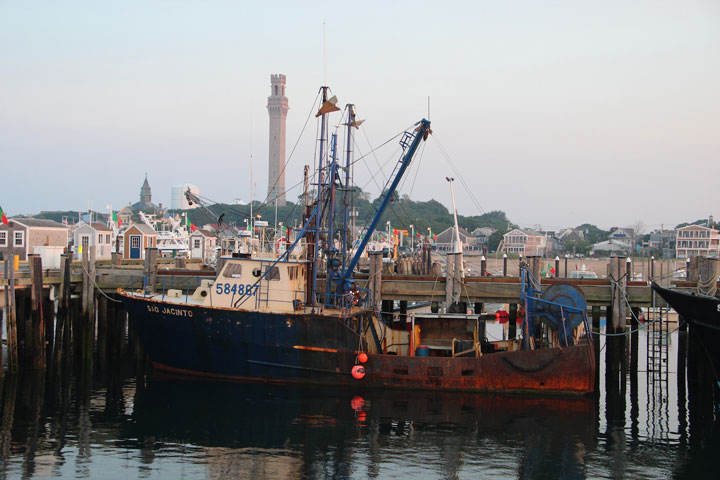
<point x="324" y="57"/>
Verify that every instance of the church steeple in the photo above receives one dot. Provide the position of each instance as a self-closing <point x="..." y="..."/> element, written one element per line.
<point x="145" y="192"/>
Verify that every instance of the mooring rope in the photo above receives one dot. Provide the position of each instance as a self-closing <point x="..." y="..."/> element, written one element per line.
<point x="96" y="285"/>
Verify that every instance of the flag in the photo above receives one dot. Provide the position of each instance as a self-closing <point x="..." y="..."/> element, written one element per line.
<point x="418" y="235"/>
<point x="395" y="231"/>
<point x="190" y="225"/>
<point x="434" y="237"/>
<point x="116" y="219"/>
<point x="3" y="218"/>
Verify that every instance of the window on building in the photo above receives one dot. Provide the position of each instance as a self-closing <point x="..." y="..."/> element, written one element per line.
<point x="107" y="238"/>
<point x="19" y="239"/>
<point x="134" y="242"/>
<point x="3" y="239"/>
<point x="85" y="240"/>
<point x="100" y="238"/>
<point x="196" y="243"/>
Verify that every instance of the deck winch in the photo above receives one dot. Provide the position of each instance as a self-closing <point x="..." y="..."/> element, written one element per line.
<point x="561" y="306"/>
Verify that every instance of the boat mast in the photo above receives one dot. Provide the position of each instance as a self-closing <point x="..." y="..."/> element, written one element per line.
<point x="321" y="156"/>
<point x="346" y="199"/>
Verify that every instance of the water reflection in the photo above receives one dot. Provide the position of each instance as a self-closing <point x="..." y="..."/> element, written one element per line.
<point x="98" y="414"/>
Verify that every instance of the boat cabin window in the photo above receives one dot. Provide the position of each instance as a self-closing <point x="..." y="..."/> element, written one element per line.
<point x="292" y="272"/>
<point x="273" y="273"/>
<point x="232" y="270"/>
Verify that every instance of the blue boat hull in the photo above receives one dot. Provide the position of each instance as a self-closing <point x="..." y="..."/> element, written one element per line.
<point x="217" y="342"/>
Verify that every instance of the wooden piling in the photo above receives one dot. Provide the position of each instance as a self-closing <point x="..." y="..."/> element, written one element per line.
<point x="180" y="262"/>
<point x="505" y="265"/>
<point x="91" y="285"/>
<point x="11" y="319"/>
<point x="512" y="322"/>
<point x="483" y="266"/>
<point x="115" y="258"/>
<point x="85" y="280"/>
<point x="449" y="280"/>
<point x="65" y="282"/>
<point x="375" y="280"/>
<point x="151" y="257"/>
<point x="458" y="276"/>
<point x="618" y="275"/>
<point x="36" y="340"/>
<point x="403" y="313"/>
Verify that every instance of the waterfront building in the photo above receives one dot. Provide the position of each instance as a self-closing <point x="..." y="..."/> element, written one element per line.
<point x="98" y="235"/>
<point x="135" y="239"/>
<point x="524" y="242"/>
<point x="24" y="236"/>
<point x="277" y="110"/>
<point x="202" y="245"/>
<point x="697" y="240"/>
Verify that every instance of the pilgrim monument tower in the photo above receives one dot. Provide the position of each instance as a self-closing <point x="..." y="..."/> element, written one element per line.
<point x="277" y="109"/>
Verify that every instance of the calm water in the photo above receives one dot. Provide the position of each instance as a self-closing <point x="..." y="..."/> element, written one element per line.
<point x="109" y="418"/>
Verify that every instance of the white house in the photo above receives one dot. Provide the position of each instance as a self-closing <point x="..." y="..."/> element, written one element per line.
<point x="96" y="235"/>
<point x="202" y="245"/>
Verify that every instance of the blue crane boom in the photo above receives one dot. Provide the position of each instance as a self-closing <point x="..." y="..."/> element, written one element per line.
<point x="420" y="134"/>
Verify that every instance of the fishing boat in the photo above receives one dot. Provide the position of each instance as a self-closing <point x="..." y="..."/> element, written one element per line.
<point x="269" y="320"/>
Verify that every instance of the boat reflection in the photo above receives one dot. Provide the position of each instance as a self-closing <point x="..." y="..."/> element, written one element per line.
<point x="286" y="432"/>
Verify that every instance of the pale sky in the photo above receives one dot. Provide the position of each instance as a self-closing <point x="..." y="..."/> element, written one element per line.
<point x="557" y="113"/>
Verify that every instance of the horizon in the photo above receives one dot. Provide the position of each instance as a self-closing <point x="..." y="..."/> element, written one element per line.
<point x="557" y="115"/>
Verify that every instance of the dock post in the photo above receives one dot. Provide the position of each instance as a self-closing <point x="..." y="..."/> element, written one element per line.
<point x="37" y="340"/>
<point x="91" y="285"/>
<point x="618" y="277"/>
<point x="403" y="314"/>
<point x="375" y="280"/>
<point x="566" y="272"/>
<point x="85" y="280"/>
<point x="449" y="280"/>
<point x="65" y="286"/>
<point x="457" y="283"/>
<point x="180" y="262"/>
<point x="479" y="307"/>
<point x="151" y="258"/>
<point x="535" y="265"/>
<point x="596" y="318"/>
<point x="11" y="319"/>
<point x="557" y="267"/>
<point x="115" y="259"/>
<point x="483" y="266"/>
<point x="512" y="322"/>
<point x="504" y="264"/>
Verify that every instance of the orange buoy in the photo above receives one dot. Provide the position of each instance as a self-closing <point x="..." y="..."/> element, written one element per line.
<point x="362" y="358"/>
<point x="357" y="402"/>
<point x="358" y="372"/>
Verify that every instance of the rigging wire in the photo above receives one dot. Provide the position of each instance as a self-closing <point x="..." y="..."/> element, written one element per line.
<point x="458" y="174"/>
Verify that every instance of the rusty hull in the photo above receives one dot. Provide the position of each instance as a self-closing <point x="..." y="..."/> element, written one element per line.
<point x="563" y="371"/>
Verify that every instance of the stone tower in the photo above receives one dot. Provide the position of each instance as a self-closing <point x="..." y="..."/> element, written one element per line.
<point x="145" y="192"/>
<point x="277" y="109"/>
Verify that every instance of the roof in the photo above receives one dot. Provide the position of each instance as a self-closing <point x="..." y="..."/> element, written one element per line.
<point x="486" y="231"/>
<point x="38" y="222"/>
<point x="446" y="236"/>
<point x="203" y="232"/>
<point x="100" y="227"/>
<point x="144" y="229"/>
